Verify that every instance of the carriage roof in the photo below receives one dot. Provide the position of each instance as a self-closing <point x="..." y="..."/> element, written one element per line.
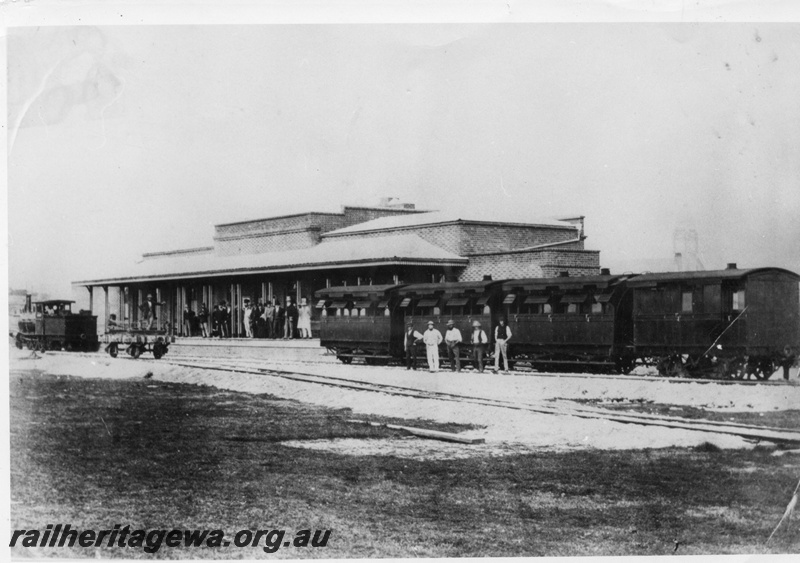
<point x="707" y="275"/>
<point x="563" y="282"/>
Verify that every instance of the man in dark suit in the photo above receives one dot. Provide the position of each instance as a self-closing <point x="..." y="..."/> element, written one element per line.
<point x="280" y="318"/>
<point x="148" y="309"/>
<point x="291" y="319"/>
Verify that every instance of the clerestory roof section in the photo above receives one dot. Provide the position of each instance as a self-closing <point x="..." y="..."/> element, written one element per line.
<point x="439" y="217"/>
<point x="402" y="249"/>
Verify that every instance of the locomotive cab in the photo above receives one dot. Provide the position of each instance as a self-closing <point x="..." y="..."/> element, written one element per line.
<point x="52" y="325"/>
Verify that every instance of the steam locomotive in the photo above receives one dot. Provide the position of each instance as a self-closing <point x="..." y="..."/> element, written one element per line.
<point x="733" y="323"/>
<point x="51" y="325"/>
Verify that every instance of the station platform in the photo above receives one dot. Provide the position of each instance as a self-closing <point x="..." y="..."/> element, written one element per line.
<point x="301" y="350"/>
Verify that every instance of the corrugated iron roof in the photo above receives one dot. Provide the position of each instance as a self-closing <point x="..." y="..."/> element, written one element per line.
<point x="405" y="249"/>
<point x="437" y="217"/>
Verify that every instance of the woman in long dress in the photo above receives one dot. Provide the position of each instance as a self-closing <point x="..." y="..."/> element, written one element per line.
<point x="304" y="319"/>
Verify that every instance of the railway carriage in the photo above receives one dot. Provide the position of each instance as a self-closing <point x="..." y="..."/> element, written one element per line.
<point x="725" y="323"/>
<point x="461" y="302"/>
<point x="51" y="325"/>
<point x="570" y="323"/>
<point x="360" y="321"/>
<point x="730" y="323"/>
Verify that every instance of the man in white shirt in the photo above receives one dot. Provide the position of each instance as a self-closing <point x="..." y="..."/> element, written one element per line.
<point x="432" y="338"/>
<point x="452" y="338"/>
<point x="502" y="334"/>
<point x="479" y="342"/>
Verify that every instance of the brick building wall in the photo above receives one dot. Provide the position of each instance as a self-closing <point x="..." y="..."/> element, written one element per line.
<point x="543" y="263"/>
<point x="271" y="242"/>
<point x="477" y="238"/>
<point x="465" y="239"/>
<point x="291" y="232"/>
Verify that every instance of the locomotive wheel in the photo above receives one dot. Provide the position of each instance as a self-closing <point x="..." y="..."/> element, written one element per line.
<point x="113" y="349"/>
<point x="55" y="345"/>
<point x="18" y="342"/>
<point x="30" y="345"/>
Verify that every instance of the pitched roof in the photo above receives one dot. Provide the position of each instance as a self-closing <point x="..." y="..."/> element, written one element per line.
<point x="438" y="217"/>
<point x="713" y="275"/>
<point x="407" y="249"/>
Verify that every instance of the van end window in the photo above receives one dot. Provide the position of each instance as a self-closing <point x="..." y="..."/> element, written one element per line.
<point x="686" y="302"/>
<point x="738" y="300"/>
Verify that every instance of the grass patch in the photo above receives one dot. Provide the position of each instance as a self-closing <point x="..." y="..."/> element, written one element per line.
<point x="154" y="455"/>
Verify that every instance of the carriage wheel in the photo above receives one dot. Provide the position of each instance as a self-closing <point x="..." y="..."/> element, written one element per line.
<point x="671" y="366"/>
<point x="760" y="369"/>
<point x="136" y="351"/>
<point x="737" y="368"/>
<point x="345" y="359"/>
<point x="625" y="365"/>
<point x="68" y="347"/>
<point x="18" y="342"/>
<point x="55" y="345"/>
<point x="113" y="349"/>
<point x="30" y="345"/>
<point x="158" y="350"/>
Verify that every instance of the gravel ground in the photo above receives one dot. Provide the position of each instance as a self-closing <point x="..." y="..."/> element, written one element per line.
<point x="500" y="427"/>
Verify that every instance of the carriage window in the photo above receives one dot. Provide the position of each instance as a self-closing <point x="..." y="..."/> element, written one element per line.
<point x="738" y="300"/>
<point x="686" y="302"/>
<point x="483" y="302"/>
<point x="597" y="308"/>
<point x="457" y="306"/>
<point x="573" y="303"/>
<point x="547" y="309"/>
<point x="535" y="304"/>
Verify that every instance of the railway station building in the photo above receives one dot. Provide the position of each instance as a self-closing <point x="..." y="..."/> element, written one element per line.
<point x="295" y="255"/>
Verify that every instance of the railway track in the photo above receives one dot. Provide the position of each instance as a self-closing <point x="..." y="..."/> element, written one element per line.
<point x="558" y="408"/>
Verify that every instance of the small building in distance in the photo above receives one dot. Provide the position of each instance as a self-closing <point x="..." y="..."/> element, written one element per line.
<point x="295" y="255"/>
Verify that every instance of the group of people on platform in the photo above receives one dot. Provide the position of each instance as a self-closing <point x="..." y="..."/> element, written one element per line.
<point x="453" y="339"/>
<point x="259" y="320"/>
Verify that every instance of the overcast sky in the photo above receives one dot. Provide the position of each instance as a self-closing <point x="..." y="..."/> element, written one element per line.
<point x="125" y="140"/>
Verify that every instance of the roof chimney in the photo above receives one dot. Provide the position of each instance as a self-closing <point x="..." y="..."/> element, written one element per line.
<point x="487" y="277"/>
<point x="564" y="274"/>
<point x="731" y="265"/>
<point x="605" y="272"/>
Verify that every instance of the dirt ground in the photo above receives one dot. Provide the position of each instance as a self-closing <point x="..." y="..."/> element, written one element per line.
<point x="108" y="445"/>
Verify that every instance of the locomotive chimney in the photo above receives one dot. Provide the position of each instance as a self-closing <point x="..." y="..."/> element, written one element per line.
<point x="605" y="272"/>
<point x="564" y="274"/>
<point x="731" y="265"/>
